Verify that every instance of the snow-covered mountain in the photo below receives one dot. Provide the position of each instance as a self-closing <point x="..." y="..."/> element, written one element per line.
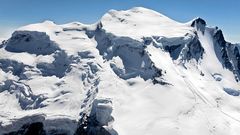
<point x="135" y="72"/>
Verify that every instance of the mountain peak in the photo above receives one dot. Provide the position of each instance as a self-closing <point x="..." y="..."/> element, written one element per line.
<point x="198" y="20"/>
<point x="165" y="75"/>
<point x="199" y="24"/>
<point x="143" y="22"/>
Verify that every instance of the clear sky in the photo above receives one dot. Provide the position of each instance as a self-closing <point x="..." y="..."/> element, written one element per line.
<point x="222" y="13"/>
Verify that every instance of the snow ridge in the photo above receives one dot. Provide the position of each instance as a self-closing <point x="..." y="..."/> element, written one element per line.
<point x="133" y="72"/>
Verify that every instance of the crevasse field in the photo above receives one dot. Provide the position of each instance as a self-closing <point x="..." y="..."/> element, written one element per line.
<point x="134" y="72"/>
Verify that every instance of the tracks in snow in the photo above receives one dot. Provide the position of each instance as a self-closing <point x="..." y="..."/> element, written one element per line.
<point x="90" y="80"/>
<point x="198" y="95"/>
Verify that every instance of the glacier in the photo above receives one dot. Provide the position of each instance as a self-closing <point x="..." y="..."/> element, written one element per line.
<point x="134" y="72"/>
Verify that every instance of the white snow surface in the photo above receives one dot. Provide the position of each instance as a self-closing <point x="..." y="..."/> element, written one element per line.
<point x="143" y="22"/>
<point x="59" y="81"/>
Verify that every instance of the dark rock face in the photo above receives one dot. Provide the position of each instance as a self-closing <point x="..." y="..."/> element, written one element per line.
<point x="227" y="53"/>
<point x="221" y="49"/>
<point x="174" y="51"/>
<point x="218" y="36"/>
<point x="237" y="63"/>
<point x="237" y="54"/>
<point x="199" y="24"/>
<point x="30" y="129"/>
<point x="198" y="21"/>
<point x="180" y="48"/>
<point x="195" y="49"/>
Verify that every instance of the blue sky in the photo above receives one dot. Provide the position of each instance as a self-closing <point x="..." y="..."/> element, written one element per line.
<point x="222" y="13"/>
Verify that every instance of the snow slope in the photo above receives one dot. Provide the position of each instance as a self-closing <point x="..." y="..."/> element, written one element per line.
<point x="134" y="72"/>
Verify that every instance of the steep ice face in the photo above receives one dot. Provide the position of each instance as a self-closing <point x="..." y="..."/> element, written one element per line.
<point x="32" y="42"/>
<point x="134" y="59"/>
<point x="134" y="72"/>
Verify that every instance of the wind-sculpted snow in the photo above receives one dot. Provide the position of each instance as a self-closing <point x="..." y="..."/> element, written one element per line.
<point x="134" y="72"/>
<point x="24" y="94"/>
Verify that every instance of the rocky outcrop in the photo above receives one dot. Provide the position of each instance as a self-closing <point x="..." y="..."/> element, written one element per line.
<point x="199" y="24"/>
<point x="227" y="53"/>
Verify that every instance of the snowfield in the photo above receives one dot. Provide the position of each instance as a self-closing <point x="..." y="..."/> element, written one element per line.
<point x="134" y="72"/>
